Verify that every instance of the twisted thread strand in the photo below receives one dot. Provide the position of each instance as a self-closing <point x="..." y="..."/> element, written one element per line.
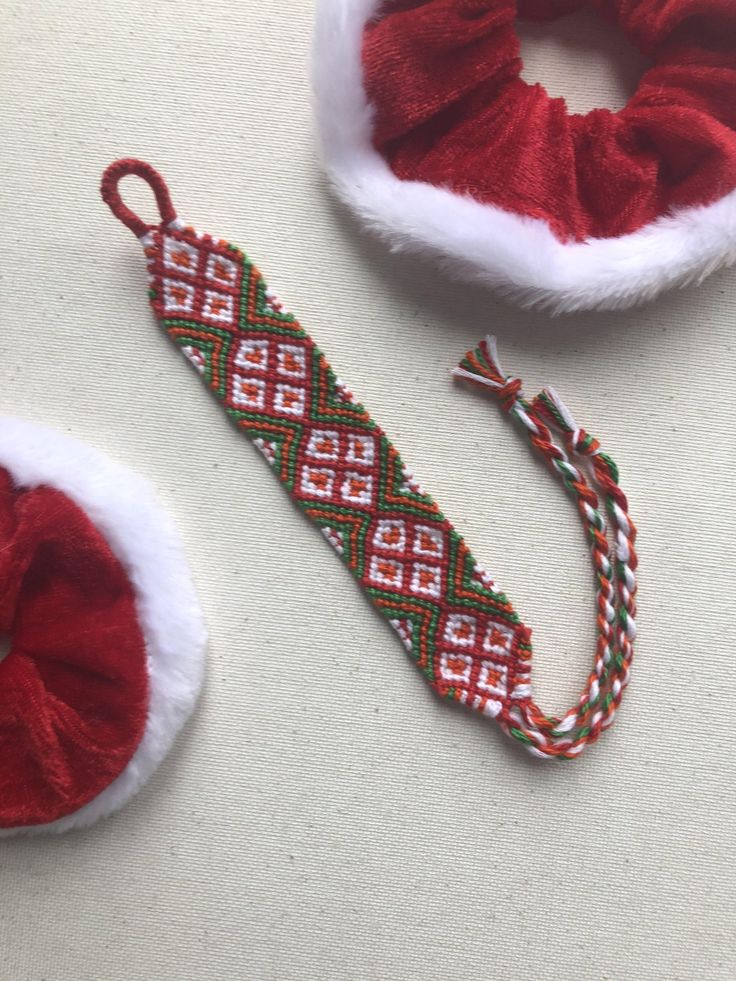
<point x="603" y="510"/>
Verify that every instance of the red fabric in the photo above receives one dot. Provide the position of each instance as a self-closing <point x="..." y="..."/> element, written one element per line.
<point x="451" y="110"/>
<point x="74" y="687"/>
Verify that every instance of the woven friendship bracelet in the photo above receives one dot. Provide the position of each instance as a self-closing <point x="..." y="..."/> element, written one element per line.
<point x="348" y="478"/>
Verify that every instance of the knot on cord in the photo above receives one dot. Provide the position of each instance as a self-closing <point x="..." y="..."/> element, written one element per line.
<point x="483" y="367"/>
<point x="580" y="443"/>
<point x="508" y="393"/>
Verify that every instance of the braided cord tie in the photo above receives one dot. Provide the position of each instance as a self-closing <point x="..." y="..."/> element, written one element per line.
<point x="615" y="569"/>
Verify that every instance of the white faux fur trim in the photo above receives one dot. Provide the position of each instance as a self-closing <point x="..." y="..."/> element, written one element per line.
<point x="518" y="256"/>
<point x="124" y="509"/>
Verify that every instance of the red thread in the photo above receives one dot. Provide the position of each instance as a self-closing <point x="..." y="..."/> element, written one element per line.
<point x="111" y="194"/>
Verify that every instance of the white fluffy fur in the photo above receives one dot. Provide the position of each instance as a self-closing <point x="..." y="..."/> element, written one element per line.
<point x="123" y="508"/>
<point x="518" y="256"/>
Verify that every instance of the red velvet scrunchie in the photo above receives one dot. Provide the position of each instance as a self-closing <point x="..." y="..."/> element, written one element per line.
<point x="451" y="110"/>
<point x="74" y="686"/>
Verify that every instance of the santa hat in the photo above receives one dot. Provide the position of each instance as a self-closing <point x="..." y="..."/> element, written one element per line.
<point x="106" y="637"/>
<point x="436" y="142"/>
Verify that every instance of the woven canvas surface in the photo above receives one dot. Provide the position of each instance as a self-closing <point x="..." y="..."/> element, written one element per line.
<point x="315" y="822"/>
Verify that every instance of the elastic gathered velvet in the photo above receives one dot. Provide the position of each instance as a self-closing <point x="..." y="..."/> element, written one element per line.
<point x="74" y="686"/>
<point x="451" y="110"/>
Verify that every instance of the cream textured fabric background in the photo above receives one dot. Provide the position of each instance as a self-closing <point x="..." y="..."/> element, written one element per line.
<point x="324" y="816"/>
